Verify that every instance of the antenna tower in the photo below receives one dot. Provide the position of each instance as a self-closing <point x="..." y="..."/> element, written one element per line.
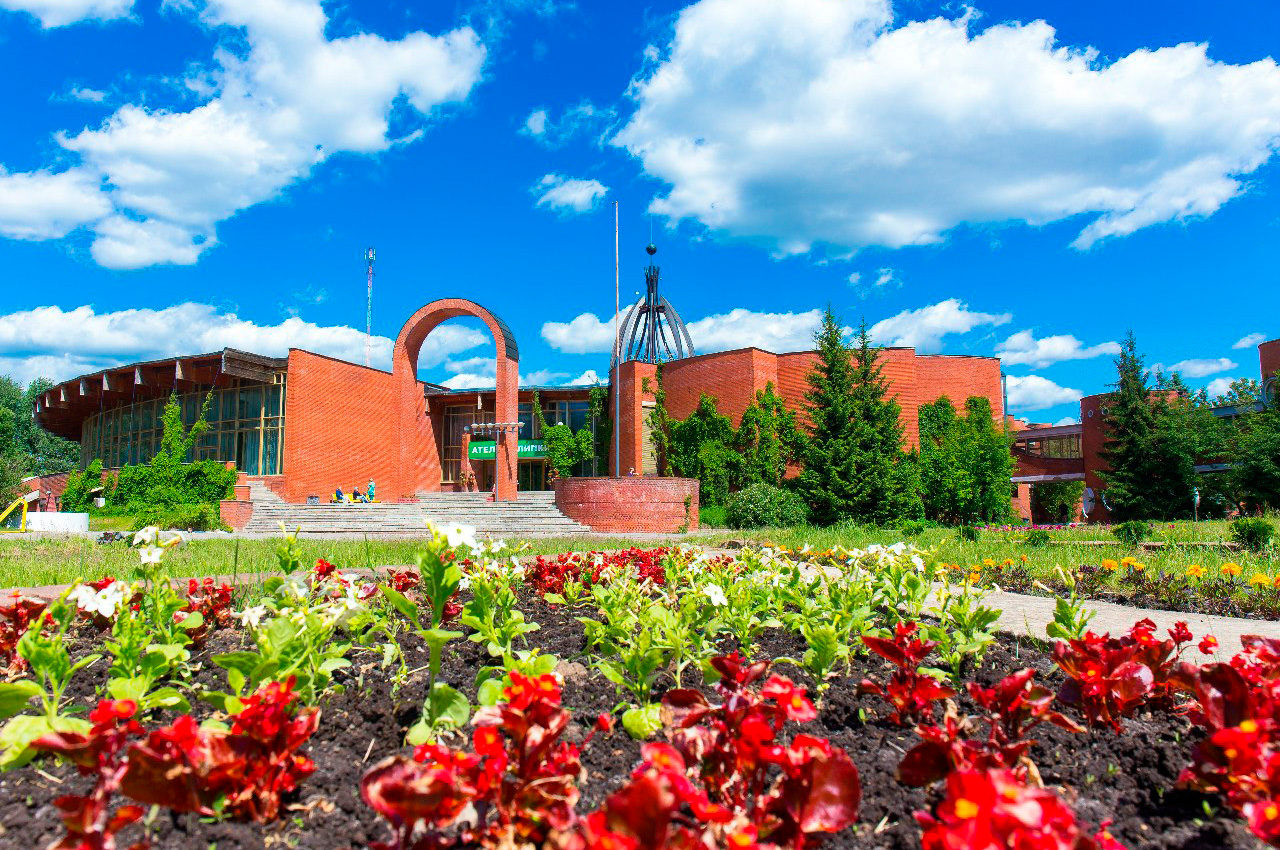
<point x="369" y="256"/>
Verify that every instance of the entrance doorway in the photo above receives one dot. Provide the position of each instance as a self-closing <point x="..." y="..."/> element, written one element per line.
<point x="532" y="475"/>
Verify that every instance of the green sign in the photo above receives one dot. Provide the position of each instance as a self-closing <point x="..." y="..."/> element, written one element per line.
<point x="488" y="449"/>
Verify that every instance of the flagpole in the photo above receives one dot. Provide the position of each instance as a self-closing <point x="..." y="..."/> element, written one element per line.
<point x="617" y="358"/>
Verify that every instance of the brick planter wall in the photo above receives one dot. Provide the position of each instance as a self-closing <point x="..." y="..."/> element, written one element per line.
<point x="642" y="503"/>
<point x="236" y="512"/>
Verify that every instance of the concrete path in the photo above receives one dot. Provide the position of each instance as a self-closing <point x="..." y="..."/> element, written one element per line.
<point x="1028" y="615"/>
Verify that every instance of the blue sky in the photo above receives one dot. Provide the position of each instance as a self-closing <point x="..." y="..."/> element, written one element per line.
<point x="1028" y="179"/>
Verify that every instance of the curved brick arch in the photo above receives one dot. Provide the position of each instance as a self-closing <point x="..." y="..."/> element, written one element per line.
<point x="419" y="461"/>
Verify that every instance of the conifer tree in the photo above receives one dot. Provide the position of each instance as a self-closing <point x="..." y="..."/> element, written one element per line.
<point x="827" y="481"/>
<point x="1152" y="472"/>
<point x="854" y="465"/>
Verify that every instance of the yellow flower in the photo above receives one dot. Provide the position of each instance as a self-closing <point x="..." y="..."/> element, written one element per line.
<point x="1128" y="560"/>
<point x="1108" y="564"/>
<point x="975" y="577"/>
<point x="1137" y="566"/>
<point x="1008" y="562"/>
<point x="1195" y="571"/>
<point x="987" y="562"/>
<point x="1024" y="558"/>
<point x="1231" y="568"/>
<point x="1258" y="579"/>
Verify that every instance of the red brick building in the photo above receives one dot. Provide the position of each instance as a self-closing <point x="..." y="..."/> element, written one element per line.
<point x="1074" y="452"/>
<point x="305" y="424"/>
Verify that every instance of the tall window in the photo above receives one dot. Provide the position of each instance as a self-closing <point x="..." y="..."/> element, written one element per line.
<point x="246" y="427"/>
<point x="457" y="417"/>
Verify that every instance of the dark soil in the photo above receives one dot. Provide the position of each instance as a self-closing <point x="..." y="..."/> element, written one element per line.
<point x="1128" y="779"/>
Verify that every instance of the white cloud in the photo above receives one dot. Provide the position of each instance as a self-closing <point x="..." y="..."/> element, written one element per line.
<point x="588" y="378"/>
<point x="925" y="327"/>
<point x="285" y="98"/>
<point x="820" y="122"/>
<point x="1220" y="386"/>
<point x="585" y="334"/>
<point x="44" y="205"/>
<point x="1067" y="420"/>
<point x="536" y="123"/>
<point x="1203" y="367"/>
<point x="61" y="344"/>
<point x="854" y="278"/>
<point x="85" y="94"/>
<point x="58" y="13"/>
<point x="1250" y="341"/>
<point x="1024" y="349"/>
<point x="568" y="194"/>
<point x="1033" y="392"/>
<point x="740" y="328"/>
<point x="585" y="119"/>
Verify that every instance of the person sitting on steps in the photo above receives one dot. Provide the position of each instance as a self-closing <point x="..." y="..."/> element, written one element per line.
<point x="338" y="497"/>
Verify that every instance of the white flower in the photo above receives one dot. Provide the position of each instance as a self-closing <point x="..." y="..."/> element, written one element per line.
<point x="296" y="585"/>
<point x="252" y="616"/>
<point x="917" y="562"/>
<point x="341" y="610"/>
<point x="103" y="602"/>
<point x="151" y="554"/>
<point x="457" y="535"/>
<point x="146" y="536"/>
<point x="715" y="593"/>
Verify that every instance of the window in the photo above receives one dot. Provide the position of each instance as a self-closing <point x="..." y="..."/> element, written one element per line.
<point x="246" y="427"/>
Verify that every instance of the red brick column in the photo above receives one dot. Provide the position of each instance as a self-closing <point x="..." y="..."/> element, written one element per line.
<point x="419" y="465"/>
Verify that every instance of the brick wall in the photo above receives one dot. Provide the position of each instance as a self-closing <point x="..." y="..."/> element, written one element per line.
<point x="340" y="429"/>
<point x="640" y="504"/>
<point x="1269" y="358"/>
<point x="733" y="377"/>
<point x="236" y="512"/>
<point x="54" y="485"/>
<point x="628" y="382"/>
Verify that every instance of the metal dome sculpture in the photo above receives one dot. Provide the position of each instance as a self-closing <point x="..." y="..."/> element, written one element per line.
<point x="652" y="330"/>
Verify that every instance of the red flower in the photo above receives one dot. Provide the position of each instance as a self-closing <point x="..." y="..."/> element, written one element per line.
<point x="991" y="810"/>
<point x="790" y="698"/>
<point x="1180" y="633"/>
<point x="1208" y="644"/>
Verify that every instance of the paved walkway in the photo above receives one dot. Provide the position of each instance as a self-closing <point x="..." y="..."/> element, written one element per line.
<point x="1028" y="615"/>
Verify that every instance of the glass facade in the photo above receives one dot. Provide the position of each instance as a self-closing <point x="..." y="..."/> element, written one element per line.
<point x="246" y="427"/>
<point x="575" y="414"/>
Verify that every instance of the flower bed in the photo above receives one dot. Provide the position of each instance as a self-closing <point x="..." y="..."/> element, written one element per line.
<point x="601" y="702"/>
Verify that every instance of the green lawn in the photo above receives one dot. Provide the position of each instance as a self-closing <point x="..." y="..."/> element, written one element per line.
<point x="30" y="562"/>
<point x="33" y="562"/>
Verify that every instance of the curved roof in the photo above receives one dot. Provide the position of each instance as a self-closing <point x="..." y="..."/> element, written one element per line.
<point x="63" y="408"/>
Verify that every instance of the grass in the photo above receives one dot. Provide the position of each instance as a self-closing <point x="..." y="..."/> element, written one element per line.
<point x="33" y="562"/>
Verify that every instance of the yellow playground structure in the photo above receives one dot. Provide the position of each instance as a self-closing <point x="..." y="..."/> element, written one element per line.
<point x="13" y="519"/>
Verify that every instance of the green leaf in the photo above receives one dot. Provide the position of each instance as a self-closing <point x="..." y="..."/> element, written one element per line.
<point x="401" y="603"/>
<point x="166" y="698"/>
<point x="87" y="661"/>
<point x="14" y="696"/>
<point x="236" y="680"/>
<point x="332" y="664"/>
<point x="447" y="706"/>
<point x="244" y="662"/>
<point x="193" y="620"/>
<point x="643" y="722"/>
<point x="489" y="692"/>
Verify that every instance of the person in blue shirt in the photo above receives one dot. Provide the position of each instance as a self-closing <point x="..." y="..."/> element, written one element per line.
<point x="369" y="493"/>
<point x="338" y="497"/>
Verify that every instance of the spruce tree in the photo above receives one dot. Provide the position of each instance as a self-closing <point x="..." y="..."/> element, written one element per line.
<point x="827" y="481"/>
<point x="854" y="465"/>
<point x="1152" y="472"/>
<point x="883" y="491"/>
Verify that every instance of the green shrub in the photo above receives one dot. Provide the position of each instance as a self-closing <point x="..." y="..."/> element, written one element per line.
<point x="1037" y="537"/>
<point x="911" y="528"/>
<point x="712" y="516"/>
<point x="763" y="505"/>
<point x="968" y="532"/>
<point x="181" y="517"/>
<point x="1252" y="532"/>
<point x="1132" y="532"/>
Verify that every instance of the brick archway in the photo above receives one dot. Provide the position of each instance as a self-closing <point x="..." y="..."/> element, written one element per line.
<point x="419" y="460"/>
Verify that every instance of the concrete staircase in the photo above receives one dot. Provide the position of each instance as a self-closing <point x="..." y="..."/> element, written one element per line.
<point x="534" y="514"/>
